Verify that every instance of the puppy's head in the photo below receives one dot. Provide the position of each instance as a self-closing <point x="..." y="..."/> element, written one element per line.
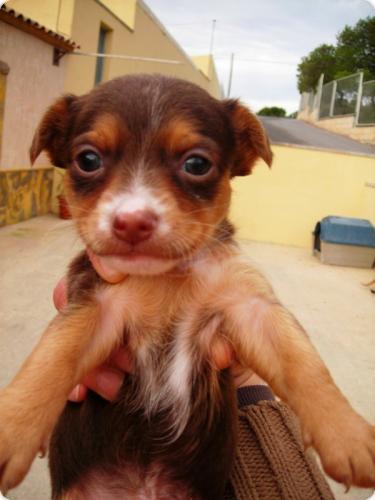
<point x="149" y="161"/>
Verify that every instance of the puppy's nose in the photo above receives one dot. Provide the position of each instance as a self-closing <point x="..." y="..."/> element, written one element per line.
<point x="135" y="227"/>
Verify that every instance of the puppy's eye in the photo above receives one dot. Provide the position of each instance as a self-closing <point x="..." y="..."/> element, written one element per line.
<point x="89" y="161"/>
<point x="197" y="166"/>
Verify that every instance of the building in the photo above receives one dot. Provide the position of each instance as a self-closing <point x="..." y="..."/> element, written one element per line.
<point x="121" y="28"/>
<point x="30" y="78"/>
<point x="38" y="62"/>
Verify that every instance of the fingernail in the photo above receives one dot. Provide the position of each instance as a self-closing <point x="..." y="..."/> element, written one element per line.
<point x="76" y="393"/>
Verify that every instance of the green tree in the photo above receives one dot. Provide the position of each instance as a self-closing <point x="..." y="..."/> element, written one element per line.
<point x="320" y="60"/>
<point x="356" y="48"/>
<point x="354" y="51"/>
<point x="272" y="111"/>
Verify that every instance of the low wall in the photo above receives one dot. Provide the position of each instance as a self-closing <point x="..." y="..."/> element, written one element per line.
<point x="343" y="125"/>
<point x="57" y="189"/>
<point x="283" y="204"/>
<point x="24" y="194"/>
<point x="278" y="205"/>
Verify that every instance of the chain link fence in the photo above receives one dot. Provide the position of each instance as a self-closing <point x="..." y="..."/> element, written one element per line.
<point x="366" y="115"/>
<point x="346" y="95"/>
<point x="326" y="100"/>
<point x="343" y="97"/>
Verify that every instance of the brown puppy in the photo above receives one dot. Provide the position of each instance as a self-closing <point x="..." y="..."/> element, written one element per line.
<point x="149" y="162"/>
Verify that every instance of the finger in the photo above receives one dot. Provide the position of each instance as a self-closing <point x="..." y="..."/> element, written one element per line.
<point x="222" y="354"/>
<point x="59" y="295"/>
<point x="122" y="360"/>
<point x="105" y="381"/>
<point x="103" y="268"/>
<point x="244" y="377"/>
<point x="78" y="394"/>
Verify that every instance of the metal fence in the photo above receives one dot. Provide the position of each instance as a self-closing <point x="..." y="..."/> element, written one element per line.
<point x="367" y="107"/>
<point x="327" y="92"/>
<point x="346" y="95"/>
<point x="343" y="97"/>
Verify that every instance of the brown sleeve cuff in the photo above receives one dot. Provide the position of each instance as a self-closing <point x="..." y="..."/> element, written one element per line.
<point x="252" y="394"/>
<point x="270" y="458"/>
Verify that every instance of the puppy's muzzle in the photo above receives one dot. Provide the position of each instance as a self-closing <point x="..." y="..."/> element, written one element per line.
<point x="135" y="227"/>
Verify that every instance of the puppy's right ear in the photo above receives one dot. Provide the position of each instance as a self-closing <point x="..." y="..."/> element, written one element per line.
<point x="51" y="134"/>
<point x="251" y="141"/>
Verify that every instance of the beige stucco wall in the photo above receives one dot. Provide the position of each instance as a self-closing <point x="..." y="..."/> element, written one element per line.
<point x="134" y="31"/>
<point x="344" y="125"/>
<point x="148" y="39"/>
<point x="33" y="82"/>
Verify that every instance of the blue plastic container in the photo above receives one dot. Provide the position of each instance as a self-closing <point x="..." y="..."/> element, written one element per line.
<point x="345" y="241"/>
<point x="347" y="231"/>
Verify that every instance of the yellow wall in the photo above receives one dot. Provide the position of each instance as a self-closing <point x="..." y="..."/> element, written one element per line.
<point x="57" y="15"/>
<point x="24" y="193"/>
<point x="57" y="188"/>
<point x="149" y="39"/>
<point x="283" y="204"/>
<point x="204" y="64"/>
<point x="2" y="104"/>
<point x="133" y="30"/>
<point x="123" y="9"/>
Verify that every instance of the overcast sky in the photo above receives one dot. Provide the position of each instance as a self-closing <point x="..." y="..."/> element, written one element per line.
<point x="281" y="31"/>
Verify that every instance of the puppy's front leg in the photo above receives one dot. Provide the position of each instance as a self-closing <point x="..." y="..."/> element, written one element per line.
<point x="269" y="339"/>
<point x="75" y="341"/>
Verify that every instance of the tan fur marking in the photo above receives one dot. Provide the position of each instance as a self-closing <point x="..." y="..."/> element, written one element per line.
<point x="179" y="135"/>
<point x="107" y="134"/>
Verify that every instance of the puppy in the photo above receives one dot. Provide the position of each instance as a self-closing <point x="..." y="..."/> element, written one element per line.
<point x="149" y="161"/>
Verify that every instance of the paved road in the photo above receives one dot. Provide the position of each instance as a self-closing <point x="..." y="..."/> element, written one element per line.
<point x="287" y="130"/>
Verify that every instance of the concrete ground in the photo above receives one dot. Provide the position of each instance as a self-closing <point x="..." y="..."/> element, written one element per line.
<point x="337" y="311"/>
<point x="290" y="131"/>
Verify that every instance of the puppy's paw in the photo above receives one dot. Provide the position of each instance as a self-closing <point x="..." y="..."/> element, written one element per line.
<point x="21" y="438"/>
<point x="346" y="445"/>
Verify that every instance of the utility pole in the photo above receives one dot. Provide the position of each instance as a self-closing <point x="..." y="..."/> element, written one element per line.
<point x="230" y="74"/>
<point x="212" y="36"/>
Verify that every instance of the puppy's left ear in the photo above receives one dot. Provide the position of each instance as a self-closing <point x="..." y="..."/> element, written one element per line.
<point x="53" y="130"/>
<point x="251" y="141"/>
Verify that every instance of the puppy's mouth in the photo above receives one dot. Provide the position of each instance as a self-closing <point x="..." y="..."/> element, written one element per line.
<point x="116" y="264"/>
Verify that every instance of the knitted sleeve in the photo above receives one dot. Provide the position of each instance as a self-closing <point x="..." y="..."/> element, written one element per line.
<point x="270" y="459"/>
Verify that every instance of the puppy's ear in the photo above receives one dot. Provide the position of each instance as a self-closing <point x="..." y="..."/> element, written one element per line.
<point x="251" y="141"/>
<point x="51" y="134"/>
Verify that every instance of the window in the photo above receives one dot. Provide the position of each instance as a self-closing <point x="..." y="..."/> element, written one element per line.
<point x="102" y="46"/>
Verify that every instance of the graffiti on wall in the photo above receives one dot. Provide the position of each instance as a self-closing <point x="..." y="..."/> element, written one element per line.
<point x="24" y="194"/>
<point x="58" y="188"/>
<point x="2" y="99"/>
